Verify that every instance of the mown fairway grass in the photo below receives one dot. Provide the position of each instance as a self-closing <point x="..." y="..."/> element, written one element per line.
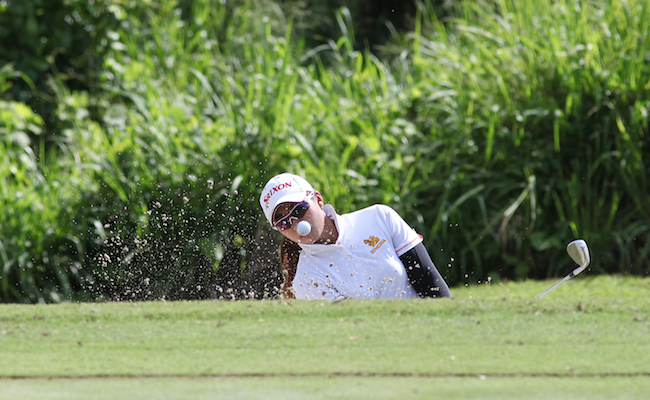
<point x="588" y="339"/>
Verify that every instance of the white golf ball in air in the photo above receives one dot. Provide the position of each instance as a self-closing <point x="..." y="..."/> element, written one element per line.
<point x="303" y="228"/>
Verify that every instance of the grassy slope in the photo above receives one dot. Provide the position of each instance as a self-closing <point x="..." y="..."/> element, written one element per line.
<point x="588" y="328"/>
<point x="484" y="330"/>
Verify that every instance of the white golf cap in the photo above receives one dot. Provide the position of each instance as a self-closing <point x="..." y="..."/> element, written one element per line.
<point x="283" y="188"/>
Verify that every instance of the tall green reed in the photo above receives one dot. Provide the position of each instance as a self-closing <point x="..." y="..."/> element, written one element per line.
<point x="543" y="104"/>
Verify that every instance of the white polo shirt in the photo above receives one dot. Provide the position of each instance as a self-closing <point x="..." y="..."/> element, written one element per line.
<point x="364" y="263"/>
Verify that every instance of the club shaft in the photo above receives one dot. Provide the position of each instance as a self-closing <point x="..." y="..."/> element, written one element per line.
<point x="566" y="278"/>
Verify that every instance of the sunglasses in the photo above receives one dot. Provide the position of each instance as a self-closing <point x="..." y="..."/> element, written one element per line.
<point x="297" y="212"/>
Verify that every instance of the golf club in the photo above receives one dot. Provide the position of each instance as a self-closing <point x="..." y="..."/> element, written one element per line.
<point x="579" y="252"/>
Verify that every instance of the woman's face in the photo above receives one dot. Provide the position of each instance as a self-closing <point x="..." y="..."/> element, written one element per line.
<point x="314" y="215"/>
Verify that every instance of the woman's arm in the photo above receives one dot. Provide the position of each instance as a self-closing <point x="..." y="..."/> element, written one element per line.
<point x="422" y="273"/>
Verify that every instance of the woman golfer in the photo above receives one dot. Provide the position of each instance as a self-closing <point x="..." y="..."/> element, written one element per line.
<point x="370" y="253"/>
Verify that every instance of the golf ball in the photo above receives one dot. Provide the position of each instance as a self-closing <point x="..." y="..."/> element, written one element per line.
<point x="303" y="228"/>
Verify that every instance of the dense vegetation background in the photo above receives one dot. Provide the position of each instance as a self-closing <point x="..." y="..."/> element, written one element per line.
<point x="135" y="136"/>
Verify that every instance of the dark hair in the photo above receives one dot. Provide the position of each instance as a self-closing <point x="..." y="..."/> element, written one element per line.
<point x="289" y="254"/>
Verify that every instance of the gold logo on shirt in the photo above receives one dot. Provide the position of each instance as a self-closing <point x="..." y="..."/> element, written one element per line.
<point x="374" y="242"/>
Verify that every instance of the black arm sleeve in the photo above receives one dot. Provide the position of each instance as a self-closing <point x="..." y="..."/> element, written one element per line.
<point x="422" y="273"/>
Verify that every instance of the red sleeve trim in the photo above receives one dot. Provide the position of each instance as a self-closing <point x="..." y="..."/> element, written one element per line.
<point x="409" y="243"/>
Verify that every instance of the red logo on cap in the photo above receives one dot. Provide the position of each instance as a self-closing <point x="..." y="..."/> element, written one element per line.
<point x="274" y="190"/>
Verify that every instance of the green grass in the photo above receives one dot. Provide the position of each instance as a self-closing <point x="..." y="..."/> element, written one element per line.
<point x="321" y="387"/>
<point x="590" y="336"/>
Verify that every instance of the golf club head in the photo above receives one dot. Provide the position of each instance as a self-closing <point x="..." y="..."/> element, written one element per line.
<point x="579" y="252"/>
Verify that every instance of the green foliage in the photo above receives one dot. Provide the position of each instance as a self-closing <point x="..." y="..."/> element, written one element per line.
<point x="184" y="155"/>
<point x="45" y="37"/>
<point x="176" y="200"/>
<point x="500" y="135"/>
<point x="41" y="260"/>
<point x="547" y="119"/>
